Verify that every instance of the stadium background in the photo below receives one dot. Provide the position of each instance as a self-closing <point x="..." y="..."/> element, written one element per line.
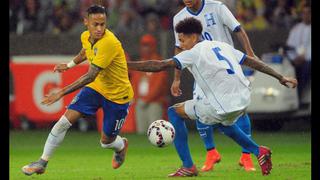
<point x="44" y="32"/>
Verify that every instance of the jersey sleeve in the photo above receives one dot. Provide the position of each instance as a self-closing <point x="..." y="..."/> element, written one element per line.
<point x="177" y="42"/>
<point x="240" y="56"/>
<point x="228" y="19"/>
<point x="83" y="38"/>
<point x="105" y="53"/>
<point x="184" y="59"/>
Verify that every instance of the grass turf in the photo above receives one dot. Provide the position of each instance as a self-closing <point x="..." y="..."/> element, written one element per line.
<point x="81" y="157"/>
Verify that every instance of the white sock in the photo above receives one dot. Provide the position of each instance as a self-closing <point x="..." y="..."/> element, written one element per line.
<point x="55" y="137"/>
<point x="117" y="145"/>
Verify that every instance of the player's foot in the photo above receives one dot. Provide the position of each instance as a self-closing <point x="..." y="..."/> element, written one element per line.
<point x="185" y="172"/>
<point x="212" y="158"/>
<point x="37" y="167"/>
<point x="264" y="160"/>
<point x="246" y="162"/>
<point x="119" y="157"/>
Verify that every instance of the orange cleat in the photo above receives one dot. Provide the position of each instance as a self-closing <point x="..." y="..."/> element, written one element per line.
<point x="246" y="162"/>
<point x="119" y="157"/>
<point x="212" y="158"/>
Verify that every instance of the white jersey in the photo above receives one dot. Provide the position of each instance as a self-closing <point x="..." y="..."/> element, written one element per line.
<point x="217" y="21"/>
<point x="216" y="68"/>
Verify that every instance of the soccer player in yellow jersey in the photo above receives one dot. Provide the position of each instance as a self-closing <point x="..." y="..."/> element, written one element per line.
<point x="106" y="85"/>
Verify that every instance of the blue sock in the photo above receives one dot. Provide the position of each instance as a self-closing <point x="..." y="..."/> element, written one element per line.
<point x="240" y="137"/>
<point x="206" y="134"/>
<point x="245" y="125"/>
<point x="181" y="138"/>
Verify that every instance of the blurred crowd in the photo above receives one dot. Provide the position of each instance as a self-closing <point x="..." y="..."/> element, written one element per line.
<point x="65" y="16"/>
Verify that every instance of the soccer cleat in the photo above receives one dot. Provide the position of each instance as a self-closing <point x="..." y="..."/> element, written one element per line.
<point x="185" y="172"/>
<point x="264" y="159"/>
<point x="246" y="162"/>
<point x="212" y="158"/>
<point x="119" y="157"/>
<point x="35" y="167"/>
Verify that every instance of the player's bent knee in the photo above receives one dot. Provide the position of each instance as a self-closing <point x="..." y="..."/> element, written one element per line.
<point x="179" y="109"/>
<point x="62" y="125"/>
<point x="72" y="115"/>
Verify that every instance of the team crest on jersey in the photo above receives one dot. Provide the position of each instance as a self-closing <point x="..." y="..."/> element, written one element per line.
<point x="95" y="50"/>
<point x="209" y="19"/>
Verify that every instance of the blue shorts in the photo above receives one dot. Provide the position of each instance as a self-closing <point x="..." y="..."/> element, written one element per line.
<point x="88" y="101"/>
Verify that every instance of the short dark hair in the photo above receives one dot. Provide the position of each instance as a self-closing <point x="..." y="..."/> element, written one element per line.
<point x="96" y="9"/>
<point x="189" y="26"/>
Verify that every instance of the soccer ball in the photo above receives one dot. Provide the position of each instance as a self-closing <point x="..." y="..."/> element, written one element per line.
<point x="161" y="133"/>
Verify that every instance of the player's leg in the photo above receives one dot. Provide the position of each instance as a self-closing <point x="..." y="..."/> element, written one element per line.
<point x="206" y="134"/>
<point x="262" y="153"/>
<point x="177" y="117"/>
<point x="245" y="160"/>
<point x="113" y="119"/>
<point x="53" y="141"/>
<point x="84" y="103"/>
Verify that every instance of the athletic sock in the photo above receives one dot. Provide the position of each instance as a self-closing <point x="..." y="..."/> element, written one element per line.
<point x="245" y="125"/>
<point x="181" y="138"/>
<point x="117" y="145"/>
<point x="241" y="138"/>
<point x="55" y="137"/>
<point x="206" y="134"/>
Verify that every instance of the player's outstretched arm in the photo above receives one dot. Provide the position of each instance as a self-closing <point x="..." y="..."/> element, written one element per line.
<point x="175" y="86"/>
<point x="89" y="77"/>
<point x="244" y="40"/>
<point x="259" y="65"/>
<point x="151" y="65"/>
<point x="77" y="60"/>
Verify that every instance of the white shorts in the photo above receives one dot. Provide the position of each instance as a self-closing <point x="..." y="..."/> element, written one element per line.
<point x="201" y="109"/>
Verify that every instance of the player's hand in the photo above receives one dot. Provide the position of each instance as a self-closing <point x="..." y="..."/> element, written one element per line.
<point x="50" y="99"/>
<point x="175" y="88"/>
<point x="287" y="81"/>
<point x="60" y="68"/>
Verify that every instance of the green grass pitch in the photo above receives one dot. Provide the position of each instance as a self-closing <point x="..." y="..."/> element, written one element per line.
<point x="81" y="157"/>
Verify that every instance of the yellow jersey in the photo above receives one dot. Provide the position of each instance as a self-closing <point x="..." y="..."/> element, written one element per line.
<point x="107" y="53"/>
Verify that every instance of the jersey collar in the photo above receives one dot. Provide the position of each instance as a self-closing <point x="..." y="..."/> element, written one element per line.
<point x="92" y="44"/>
<point x="197" y="13"/>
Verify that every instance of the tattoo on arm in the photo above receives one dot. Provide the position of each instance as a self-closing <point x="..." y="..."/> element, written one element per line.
<point x="259" y="65"/>
<point x="151" y="65"/>
<point x="83" y="80"/>
<point x="80" y="57"/>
